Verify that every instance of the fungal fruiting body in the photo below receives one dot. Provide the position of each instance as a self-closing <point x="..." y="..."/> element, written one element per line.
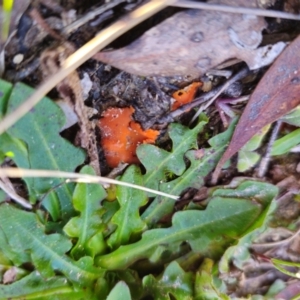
<point x="185" y="95"/>
<point x="120" y="136"/>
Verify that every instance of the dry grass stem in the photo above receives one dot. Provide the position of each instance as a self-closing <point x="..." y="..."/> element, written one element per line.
<point x="237" y="10"/>
<point x="20" y="173"/>
<point x="260" y="246"/>
<point x="14" y="196"/>
<point x="90" y="16"/>
<point x="241" y="74"/>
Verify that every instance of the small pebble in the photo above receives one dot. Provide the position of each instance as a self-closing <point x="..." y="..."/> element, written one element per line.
<point x="18" y="58"/>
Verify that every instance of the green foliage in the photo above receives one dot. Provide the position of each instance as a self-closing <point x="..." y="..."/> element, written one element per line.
<point x="281" y="264"/>
<point x="92" y="248"/>
<point x="120" y="291"/>
<point x="205" y="287"/>
<point x="286" y="143"/>
<point x="174" y="281"/>
<point x="45" y="252"/>
<point x="34" y="286"/>
<point x="263" y="193"/>
<point x="9" y="256"/>
<point x="159" y="163"/>
<point x="8" y="144"/>
<point x="202" y="162"/>
<point x="292" y="118"/>
<point x="35" y="143"/>
<point x="208" y="232"/>
<point x="247" y="157"/>
<point x="5" y="91"/>
<point x="87" y="227"/>
<point x="127" y="218"/>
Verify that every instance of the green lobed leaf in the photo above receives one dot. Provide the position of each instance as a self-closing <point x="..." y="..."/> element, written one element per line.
<point x="47" y="251"/>
<point x="174" y="281"/>
<point x="202" y="162"/>
<point x="127" y="218"/>
<point x="34" y="286"/>
<point x="11" y="255"/>
<point x="87" y="226"/>
<point x="259" y="191"/>
<point x="247" y="160"/>
<point x="129" y="277"/>
<point x="120" y="291"/>
<point x="110" y="209"/>
<point x="222" y="139"/>
<point x="159" y="162"/>
<point x="262" y="193"/>
<point x="133" y="281"/>
<point x="9" y="145"/>
<point x="208" y="232"/>
<point x="19" y="155"/>
<point x="247" y="157"/>
<point x="205" y="287"/>
<point x="46" y="149"/>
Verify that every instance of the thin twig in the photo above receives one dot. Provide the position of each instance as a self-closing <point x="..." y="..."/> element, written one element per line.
<point x="83" y="54"/>
<point x="236" y="9"/>
<point x="241" y="74"/>
<point x="90" y="16"/>
<point x="275" y="244"/>
<point x="20" y="173"/>
<point x="169" y="118"/>
<point x="14" y="196"/>
<point x="263" y="167"/>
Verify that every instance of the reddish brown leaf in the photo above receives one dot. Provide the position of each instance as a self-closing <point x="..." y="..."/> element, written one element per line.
<point x="277" y="93"/>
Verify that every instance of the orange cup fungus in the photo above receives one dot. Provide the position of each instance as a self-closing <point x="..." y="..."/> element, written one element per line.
<point x="120" y="136"/>
<point x="185" y="95"/>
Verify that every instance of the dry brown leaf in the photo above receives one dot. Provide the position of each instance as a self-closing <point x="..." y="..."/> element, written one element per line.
<point x="194" y="41"/>
<point x="276" y="94"/>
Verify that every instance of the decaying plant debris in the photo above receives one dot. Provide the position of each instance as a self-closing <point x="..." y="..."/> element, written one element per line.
<point x="94" y="241"/>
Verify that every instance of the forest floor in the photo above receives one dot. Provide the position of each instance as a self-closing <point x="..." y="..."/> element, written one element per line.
<point x="198" y="105"/>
